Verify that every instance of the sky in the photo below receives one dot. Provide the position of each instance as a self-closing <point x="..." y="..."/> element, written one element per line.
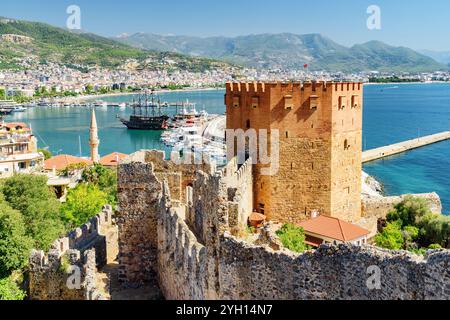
<point x="417" y="24"/>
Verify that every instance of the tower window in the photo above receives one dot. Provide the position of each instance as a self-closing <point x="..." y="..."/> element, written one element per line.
<point x="354" y="101"/>
<point x="255" y="102"/>
<point x="342" y="102"/>
<point x="313" y="102"/>
<point x="288" y="102"/>
<point x="236" y="101"/>
<point x="287" y="134"/>
<point x="346" y="145"/>
<point x="248" y="124"/>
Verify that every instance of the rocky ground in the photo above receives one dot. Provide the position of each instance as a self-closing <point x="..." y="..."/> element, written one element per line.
<point x="371" y="187"/>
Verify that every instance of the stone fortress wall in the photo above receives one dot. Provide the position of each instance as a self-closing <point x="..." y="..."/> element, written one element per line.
<point x="190" y="247"/>
<point x="89" y="247"/>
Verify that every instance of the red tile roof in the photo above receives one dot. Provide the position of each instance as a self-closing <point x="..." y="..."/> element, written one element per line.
<point x="111" y="159"/>
<point x="61" y="162"/>
<point x="333" y="228"/>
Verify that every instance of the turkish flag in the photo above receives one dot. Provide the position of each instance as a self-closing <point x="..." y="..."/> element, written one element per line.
<point x="305" y="66"/>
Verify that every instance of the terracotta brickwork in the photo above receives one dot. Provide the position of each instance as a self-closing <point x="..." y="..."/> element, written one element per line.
<point x="320" y="147"/>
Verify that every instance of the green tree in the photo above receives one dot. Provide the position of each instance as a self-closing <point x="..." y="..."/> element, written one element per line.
<point x="83" y="203"/>
<point x="15" y="245"/>
<point x="89" y="88"/>
<point x="9" y="290"/>
<point x="30" y="195"/>
<point x="409" y="211"/>
<point x="410" y="233"/>
<point x="47" y="154"/>
<point x="391" y="237"/>
<point x="435" y="229"/>
<point x="105" y="178"/>
<point x="293" y="238"/>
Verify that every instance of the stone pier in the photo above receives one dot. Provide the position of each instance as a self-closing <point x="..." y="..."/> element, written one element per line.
<point x="386" y="151"/>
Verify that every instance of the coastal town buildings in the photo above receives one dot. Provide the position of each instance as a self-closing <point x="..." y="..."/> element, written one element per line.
<point x="18" y="150"/>
<point x="66" y="80"/>
<point x="64" y="172"/>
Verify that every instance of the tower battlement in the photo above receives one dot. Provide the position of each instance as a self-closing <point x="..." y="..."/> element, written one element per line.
<point x="292" y="86"/>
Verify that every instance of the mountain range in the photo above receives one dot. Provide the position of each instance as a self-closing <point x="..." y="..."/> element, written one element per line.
<point x="289" y="50"/>
<point x="152" y="51"/>
<point x="439" y="56"/>
<point x="53" y="44"/>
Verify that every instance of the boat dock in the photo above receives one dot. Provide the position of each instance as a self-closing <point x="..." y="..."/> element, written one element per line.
<point x="386" y="151"/>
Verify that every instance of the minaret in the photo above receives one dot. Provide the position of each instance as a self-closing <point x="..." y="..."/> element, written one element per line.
<point x="93" y="139"/>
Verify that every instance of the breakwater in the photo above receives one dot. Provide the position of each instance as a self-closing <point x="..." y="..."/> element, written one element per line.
<point x="393" y="149"/>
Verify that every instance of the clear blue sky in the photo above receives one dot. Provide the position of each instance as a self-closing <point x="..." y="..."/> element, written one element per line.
<point x="418" y="24"/>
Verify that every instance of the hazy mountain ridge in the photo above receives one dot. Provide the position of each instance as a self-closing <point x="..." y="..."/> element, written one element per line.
<point x="440" y="56"/>
<point x="287" y="50"/>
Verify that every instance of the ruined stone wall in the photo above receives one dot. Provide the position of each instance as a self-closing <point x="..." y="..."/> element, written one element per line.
<point x="182" y="259"/>
<point x="138" y="194"/>
<point x="176" y="242"/>
<point x="197" y="257"/>
<point x="331" y="272"/>
<point x="239" y="184"/>
<point x="81" y="252"/>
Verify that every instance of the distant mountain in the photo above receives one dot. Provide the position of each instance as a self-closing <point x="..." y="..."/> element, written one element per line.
<point x="288" y="50"/>
<point x="49" y="43"/>
<point x="440" y="56"/>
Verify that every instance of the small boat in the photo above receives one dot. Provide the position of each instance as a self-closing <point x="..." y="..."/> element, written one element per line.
<point x="100" y="103"/>
<point x="5" y="112"/>
<point x="19" y="109"/>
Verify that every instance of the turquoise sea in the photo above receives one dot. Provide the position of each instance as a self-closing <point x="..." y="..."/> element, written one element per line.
<point x="392" y="113"/>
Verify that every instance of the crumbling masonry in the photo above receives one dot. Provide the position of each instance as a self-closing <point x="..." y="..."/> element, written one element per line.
<point x="178" y="225"/>
<point x="68" y="271"/>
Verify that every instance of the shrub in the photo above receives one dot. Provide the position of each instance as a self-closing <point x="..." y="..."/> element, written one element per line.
<point x="15" y="245"/>
<point x="391" y="237"/>
<point x="293" y="238"/>
<point x="9" y="290"/>
<point x="47" y="154"/>
<point x="39" y="207"/>
<point x="82" y="204"/>
<point x="409" y="211"/>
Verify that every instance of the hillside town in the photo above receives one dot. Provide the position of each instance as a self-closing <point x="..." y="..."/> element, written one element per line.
<point x="52" y="79"/>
